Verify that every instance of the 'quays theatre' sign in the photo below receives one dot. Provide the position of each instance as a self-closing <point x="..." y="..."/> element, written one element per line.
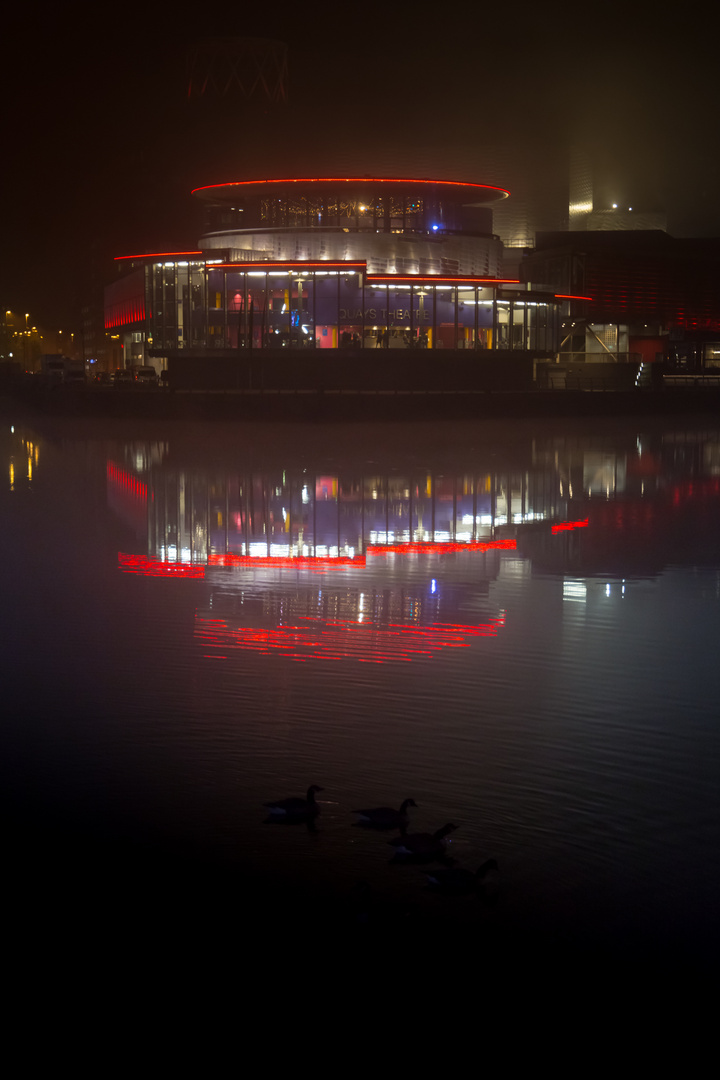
<point x="384" y="315"/>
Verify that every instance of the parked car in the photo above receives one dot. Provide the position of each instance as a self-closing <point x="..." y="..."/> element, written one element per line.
<point x="123" y="377"/>
<point x="144" y="375"/>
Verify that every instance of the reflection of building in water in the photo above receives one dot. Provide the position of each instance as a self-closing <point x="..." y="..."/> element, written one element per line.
<point x="371" y="566"/>
<point x="127" y="497"/>
<point x="393" y="564"/>
<point x="222" y="519"/>
<point x="216" y="517"/>
<point x="285" y="516"/>
<point x="127" y="483"/>
<point x="651" y="504"/>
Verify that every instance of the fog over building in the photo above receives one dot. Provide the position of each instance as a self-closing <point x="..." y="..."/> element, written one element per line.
<point x="253" y="124"/>
<point x="246" y="105"/>
<point x="115" y="129"/>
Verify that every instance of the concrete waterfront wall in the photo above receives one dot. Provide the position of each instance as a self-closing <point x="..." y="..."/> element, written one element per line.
<point x="354" y="370"/>
<point x="590" y="376"/>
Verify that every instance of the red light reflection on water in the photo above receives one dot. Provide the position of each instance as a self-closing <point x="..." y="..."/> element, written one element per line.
<point x="311" y="639"/>
<point x="690" y="490"/>
<point x="566" y="526"/>
<point x="126" y="481"/>
<point x="138" y="564"/>
<point x="440" y="548"/>
<point x="306" y="561"/>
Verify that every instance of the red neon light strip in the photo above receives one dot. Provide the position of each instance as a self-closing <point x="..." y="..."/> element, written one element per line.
<point x="137" y="564"/>
<point x="231" y="559"/>
<point x="312" y="561"/>
<point x="155" y="567"/>
<point x="566" y="526"/>
<point x="435" y="278"/>
<point x="440" y="548"/>
<point x="157" y="255"/>
<point x="354" y="265"/>
<point x="352" y="180"/>
<point x="564" y="296"/>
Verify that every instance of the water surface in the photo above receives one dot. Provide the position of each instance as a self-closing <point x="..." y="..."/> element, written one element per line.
<point x="514" y="624"/>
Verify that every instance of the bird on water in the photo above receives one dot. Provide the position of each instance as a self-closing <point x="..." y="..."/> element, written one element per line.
<point x="458" y="881"/>
<point x="385" y="817"/>
<point x="295" y="808"/>
<point x="423" y="847"/>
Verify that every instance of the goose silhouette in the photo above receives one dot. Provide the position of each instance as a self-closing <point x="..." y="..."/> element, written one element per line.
<point x="385" y="817"/>
<point x="294" y="808"/>
<point x="423" y="847"/>
<point x="456" y="880"/>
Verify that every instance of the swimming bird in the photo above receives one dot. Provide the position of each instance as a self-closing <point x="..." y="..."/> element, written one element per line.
<point x="385" y="817"/>
<point x="296" y="809"/>
<point x="457" y="881"/>
<point x="423" y="847"/>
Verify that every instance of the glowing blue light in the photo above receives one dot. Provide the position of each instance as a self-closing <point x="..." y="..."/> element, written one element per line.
<point x="433" y="586"/>
<point x="435" y="228"/>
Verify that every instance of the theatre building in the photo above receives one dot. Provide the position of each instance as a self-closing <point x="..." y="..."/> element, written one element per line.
<point x="291" y="274"/>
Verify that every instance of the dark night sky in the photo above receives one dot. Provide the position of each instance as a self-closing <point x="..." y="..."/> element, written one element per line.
<point x="102" y="149"/>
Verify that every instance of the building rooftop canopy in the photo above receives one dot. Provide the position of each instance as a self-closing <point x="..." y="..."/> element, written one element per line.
<point x="462" y="193"/>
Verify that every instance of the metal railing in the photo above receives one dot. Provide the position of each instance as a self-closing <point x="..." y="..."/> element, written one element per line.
<point x="704" y="379"/>
<point x="600" y="357"/>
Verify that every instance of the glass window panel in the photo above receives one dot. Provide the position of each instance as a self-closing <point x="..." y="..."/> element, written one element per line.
<point x="350" y="311"/>
<point x="518" y="322"/>
<point x="302" y="325"/>
<point x="275" y="311"/>
<point x="503" y="320"/>
<point x="256" y="315"/>
<point x="399" y="318"/>
<point x="375" y="318"/>
<point x="326" y="311"/>
<point x="445" y="318"/>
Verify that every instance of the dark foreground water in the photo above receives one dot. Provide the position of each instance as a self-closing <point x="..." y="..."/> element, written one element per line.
<point x="515" y="624"/>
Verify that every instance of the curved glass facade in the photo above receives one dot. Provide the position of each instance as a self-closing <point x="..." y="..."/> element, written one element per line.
<point x="343" y="264"/>
<point x="354" y="204"/>
<point x="206" y="307"/>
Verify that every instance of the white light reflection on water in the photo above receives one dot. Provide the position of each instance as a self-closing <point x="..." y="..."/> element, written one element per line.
<point x="549" y="686"/>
